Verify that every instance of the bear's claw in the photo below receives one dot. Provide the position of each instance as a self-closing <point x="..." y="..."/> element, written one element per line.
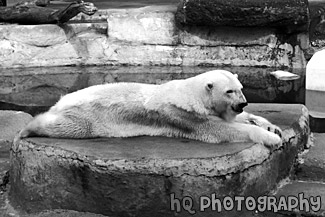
<point x="273" y="140"/>
<point x="275" y="129"/>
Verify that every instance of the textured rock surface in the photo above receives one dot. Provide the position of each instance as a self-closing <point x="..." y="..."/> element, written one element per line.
<point x="144" y="36"/>
<point x="136" y="176"/>
<point x="312" y="163"/>
<point x="193" y="45"/>
<point x="278" y="13"/>
<point x="143" y="26"/>
<point x="36" y="89"/>
<point x="11" y="122"/>
<point x="52" y="45"/>
<point x="316" y="27"/>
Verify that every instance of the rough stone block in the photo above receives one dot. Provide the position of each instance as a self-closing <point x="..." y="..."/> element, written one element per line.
<point x="127" y="54"/>
<point x="143" y="26"/>
<point x="137" y="176"/>
<point x="258" y="55"/>
<point x="51" y="45"/>
<point x="279" y="13"/>
<point x="42" y="35"/>
<point x="227" y="36"/>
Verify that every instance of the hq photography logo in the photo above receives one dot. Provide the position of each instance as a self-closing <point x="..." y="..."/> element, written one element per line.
<point x="239" y="203"/>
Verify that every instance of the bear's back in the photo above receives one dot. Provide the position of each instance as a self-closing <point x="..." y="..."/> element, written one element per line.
<point x="104" y="93"/>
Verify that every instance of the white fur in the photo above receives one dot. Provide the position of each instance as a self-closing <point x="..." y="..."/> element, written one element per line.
<point x="198" y="108"/>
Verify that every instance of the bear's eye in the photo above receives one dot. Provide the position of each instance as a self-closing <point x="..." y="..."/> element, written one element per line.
<point x="230" y="91"/>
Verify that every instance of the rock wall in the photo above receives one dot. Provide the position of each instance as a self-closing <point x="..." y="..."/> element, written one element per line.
<point x="276" y="13"/>
<point x="145" y="36"/>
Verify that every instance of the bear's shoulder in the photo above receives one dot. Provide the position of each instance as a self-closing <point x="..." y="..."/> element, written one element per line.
<point x="178" y="93"/>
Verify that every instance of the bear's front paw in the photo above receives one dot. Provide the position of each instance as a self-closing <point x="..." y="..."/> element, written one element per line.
<point x="260" y="135"/>
<point x="274" y="129"/>
<point x="272" y="140"/>
<point x="265" y="124"/>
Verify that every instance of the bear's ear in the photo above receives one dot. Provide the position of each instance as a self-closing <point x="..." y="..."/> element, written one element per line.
<point x="209" y="86"/>
<point x="236" y="75"/>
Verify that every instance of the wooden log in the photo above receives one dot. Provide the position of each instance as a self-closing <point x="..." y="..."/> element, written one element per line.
<point x="32" y="14"/>
<point x="248" y="13"/>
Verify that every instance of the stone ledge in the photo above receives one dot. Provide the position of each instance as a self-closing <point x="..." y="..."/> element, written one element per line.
<point x="135" y="176"/>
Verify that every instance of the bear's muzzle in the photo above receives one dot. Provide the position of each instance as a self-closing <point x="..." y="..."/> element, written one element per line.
<point x="239" y="107"/>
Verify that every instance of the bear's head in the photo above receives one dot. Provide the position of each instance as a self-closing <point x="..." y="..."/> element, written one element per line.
<point x="224" y="96"/>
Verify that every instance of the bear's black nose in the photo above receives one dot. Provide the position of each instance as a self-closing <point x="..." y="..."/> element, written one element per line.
<point x="242" y="105"/>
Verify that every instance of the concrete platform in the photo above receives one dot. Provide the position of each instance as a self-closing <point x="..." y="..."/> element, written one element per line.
<point x="138" y="176"/>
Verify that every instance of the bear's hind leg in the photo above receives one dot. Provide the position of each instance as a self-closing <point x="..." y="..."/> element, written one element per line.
<point x="58" y="126"/>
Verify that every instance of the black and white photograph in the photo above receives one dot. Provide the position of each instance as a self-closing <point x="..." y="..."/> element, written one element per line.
<point x="162" y="108"/>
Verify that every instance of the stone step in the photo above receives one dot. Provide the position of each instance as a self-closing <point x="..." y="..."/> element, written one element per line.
<point x="312" y="162"/>
<point x="142" y="176"/>
<point x="302" y="198"/>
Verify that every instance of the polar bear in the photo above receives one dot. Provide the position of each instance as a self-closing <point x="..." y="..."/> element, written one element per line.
<point x="207" y="107"/>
